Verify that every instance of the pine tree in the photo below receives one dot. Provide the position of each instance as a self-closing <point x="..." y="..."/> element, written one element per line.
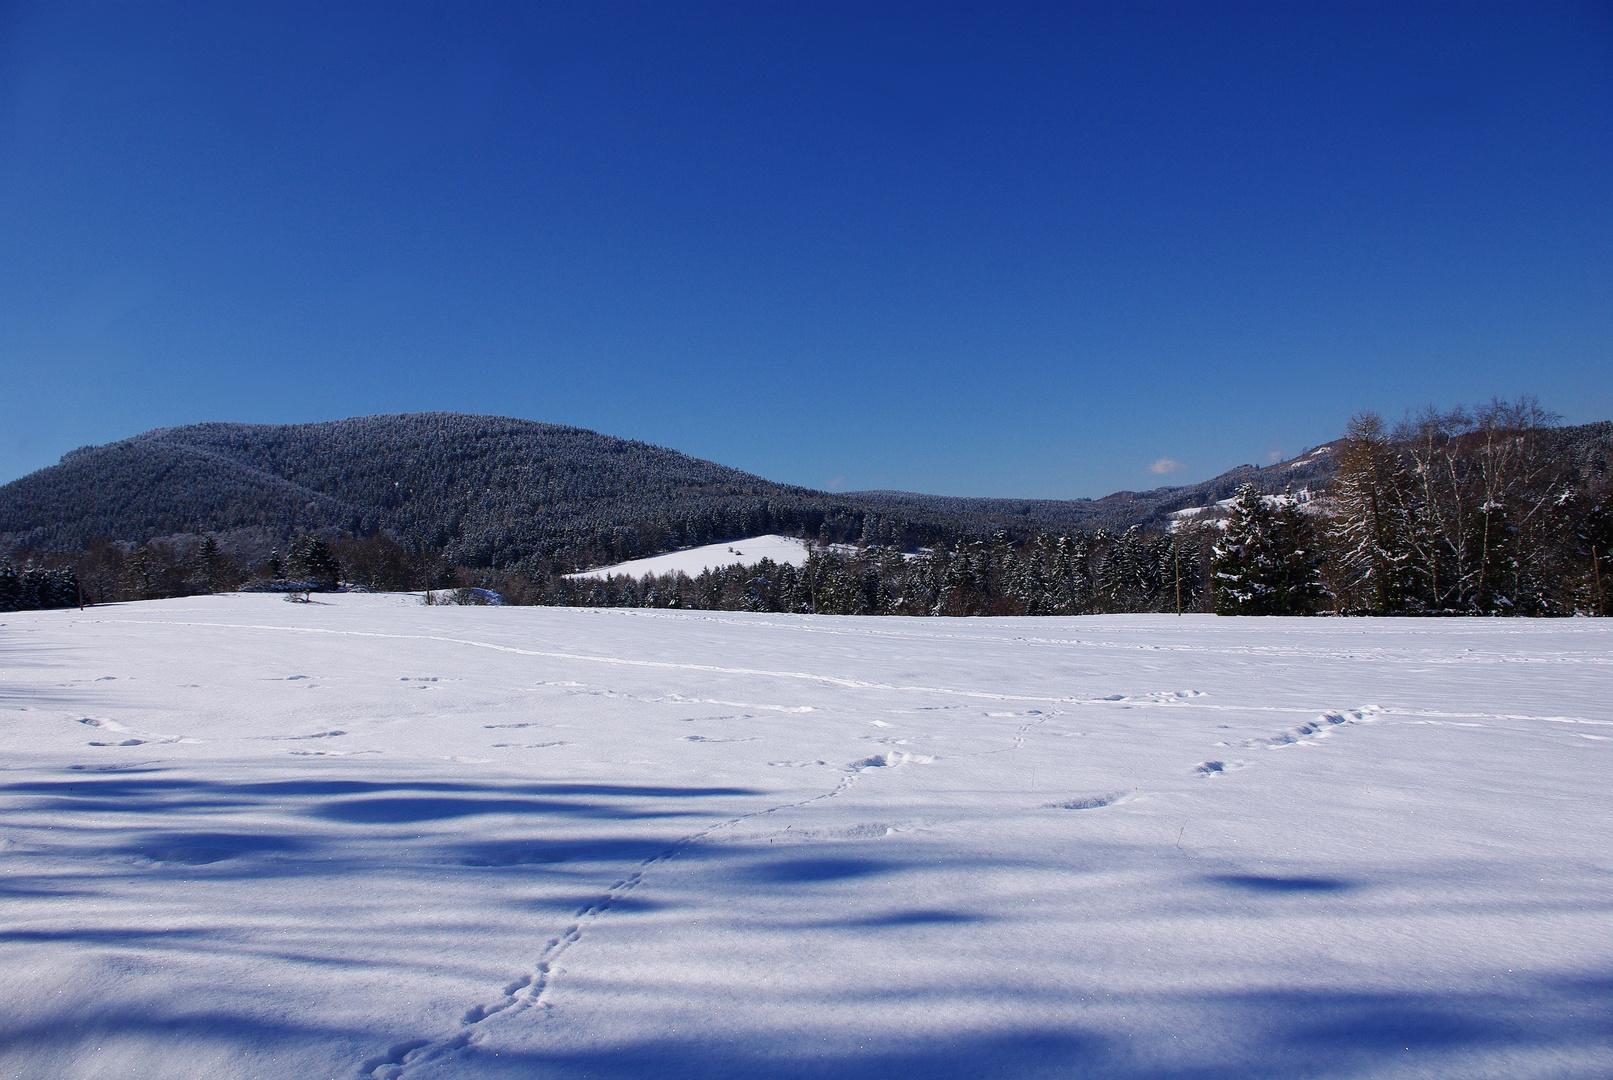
<point x="10" y="588"/>
<point x="208" y="564"/>
<point x="314" y="563"/>
<point x="1493" y="540"/>
<point x="1299" y="586"/>
<point x="1073" y="563"/>
<point x="44" y="589"/>
<point x="1247" y="564"/>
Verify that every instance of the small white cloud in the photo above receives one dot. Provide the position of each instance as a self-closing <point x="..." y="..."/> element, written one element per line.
<point x="1274" y="453"/>
<point x="834" y="485"/>
<point x="1166" y="465"/>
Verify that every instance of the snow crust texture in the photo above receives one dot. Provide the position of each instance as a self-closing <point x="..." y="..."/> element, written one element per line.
<point x="367" y="838"/>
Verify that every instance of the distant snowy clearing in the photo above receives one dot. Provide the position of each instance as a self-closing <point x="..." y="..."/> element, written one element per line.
<point x="691" y="561"/>
<point x="363" y="837"/>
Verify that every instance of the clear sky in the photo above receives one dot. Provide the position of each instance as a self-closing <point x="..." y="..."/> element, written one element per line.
<point x="982" y="249"/>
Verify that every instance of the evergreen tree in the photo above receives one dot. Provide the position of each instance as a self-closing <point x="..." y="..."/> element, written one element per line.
<point x="1493" y="536"/>
<point x="1073" y="572"/>
<point x="209" y="565"/>
<point x="44" y="589"/>
<point x="1247" y="565"/>
<point x="1299" y="585"/>
<point x="314" y="563"/>
<point x="10" y="588"/>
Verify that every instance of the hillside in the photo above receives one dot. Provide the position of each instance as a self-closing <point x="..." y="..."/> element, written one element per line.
<point x="1118" y="511"/>
<point x="496" y="491"/>
<point x="484" y="489"/>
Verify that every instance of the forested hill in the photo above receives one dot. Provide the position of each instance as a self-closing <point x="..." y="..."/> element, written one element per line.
<point x="479" y="488"/>
<point x="494" y="491"/>
<point x="498" y="491"/>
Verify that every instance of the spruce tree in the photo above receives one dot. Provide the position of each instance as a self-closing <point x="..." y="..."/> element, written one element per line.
<point x="314" y="563"/>
<point x="1493" y="540"/>
<point x="10" y="588"/>
<point x="1247" y="564"/>
<point x="1299" y="586"/>
<point x="207" y="564"/>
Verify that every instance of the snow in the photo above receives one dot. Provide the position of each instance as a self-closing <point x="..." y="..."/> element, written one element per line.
<point x="486" y="597"/>
<point x="1177" y="518"/>
<point x="691" y="561"/>
<point x="367" y="837"/>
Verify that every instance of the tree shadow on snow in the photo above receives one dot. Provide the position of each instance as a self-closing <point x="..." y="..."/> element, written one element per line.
<point x="397" y="810"/>
<point x="319" y="827"/>
<point x="795" y="871"/>
<point x="1262" y="1036"/>
<point x="1261" y="883"/>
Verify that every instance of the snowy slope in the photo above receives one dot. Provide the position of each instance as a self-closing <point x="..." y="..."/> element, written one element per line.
<point x="691" y="561"/>
<point x="364" y="837"/>
<point x="1219" y="510"/>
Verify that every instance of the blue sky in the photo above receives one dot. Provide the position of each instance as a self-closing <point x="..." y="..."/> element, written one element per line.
<point x="965" y="249"/>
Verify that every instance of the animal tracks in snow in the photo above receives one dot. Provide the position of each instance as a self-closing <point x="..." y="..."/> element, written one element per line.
<point x="1307" y="734"/>
<point x="751" y="934"/>
<point x="1089" y="802"/>
<point x="890" y="760"/>
<point x="134" y="738"/>
<point x="1320" y="728"/>
<point x="1158" y="697"/>
<point x="527" y="991"/>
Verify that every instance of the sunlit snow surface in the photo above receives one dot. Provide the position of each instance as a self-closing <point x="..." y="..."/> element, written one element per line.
<point x="692" y="561"/>
<point x="363" y="837"/>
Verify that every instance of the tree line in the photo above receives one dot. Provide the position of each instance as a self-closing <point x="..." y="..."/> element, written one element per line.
<point x="1484" y="511"/>
<point x="1069" y="574"/>
<point x="1467" y="512"/>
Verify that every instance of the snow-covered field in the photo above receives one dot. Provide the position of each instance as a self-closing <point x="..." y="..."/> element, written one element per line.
<point x="691" y="561"/>
<point x="364" y="837"/>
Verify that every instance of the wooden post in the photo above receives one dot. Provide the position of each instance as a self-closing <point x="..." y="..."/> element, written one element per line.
<point x="1176" y="551"/>
<point x="1596" y="570"/>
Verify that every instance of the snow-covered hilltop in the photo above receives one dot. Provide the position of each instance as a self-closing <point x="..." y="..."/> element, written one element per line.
<point x="362" y="837"/>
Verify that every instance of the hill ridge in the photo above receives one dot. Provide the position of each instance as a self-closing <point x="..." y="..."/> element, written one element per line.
<point x="510" y="492"/>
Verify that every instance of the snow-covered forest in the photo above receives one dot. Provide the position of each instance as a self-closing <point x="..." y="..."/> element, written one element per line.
<point x="1488" y="511"/>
